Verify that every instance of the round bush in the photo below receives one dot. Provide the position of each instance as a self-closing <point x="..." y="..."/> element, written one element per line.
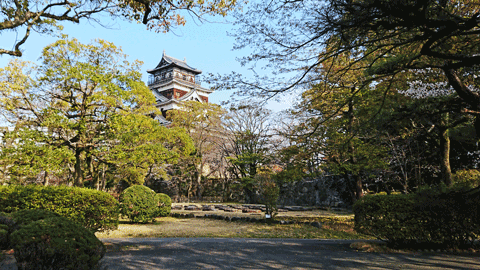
<point x="139" y="204"/>
<point x="164" y="204"/>
<point x="56" y="243"/>
<point x="26" y="216"/>
<point x="95" y="210"/>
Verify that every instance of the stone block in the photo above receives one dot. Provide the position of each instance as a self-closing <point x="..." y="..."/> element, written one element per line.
<point x="316" y="224"/>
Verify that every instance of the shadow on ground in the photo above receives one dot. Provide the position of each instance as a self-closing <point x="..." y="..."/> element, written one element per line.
<point x="199" y="253"/>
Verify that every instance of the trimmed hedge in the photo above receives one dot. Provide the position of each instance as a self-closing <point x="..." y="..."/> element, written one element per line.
<point x="164" y="204"/>
<point x="95" y="210"/>
<point x="446" y="218"/>
<point x="26" y="216"/>
<point x="139" y="204"/>
<point x="56" y="243"/>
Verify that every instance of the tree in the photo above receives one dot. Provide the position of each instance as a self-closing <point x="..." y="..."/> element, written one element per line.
<point x="435" y="110"/>
<point x="392" y="36"/>
<point x="344" y="121"/>
<point x="24" y="16"/>
<point x="203" y="123"/>
<point x="29" y="161"/>
<point x="298" y="155"/>
<point x="247" y="145"/>
<point x="88" y="102"/>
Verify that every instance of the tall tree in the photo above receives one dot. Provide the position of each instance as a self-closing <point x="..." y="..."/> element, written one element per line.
<point x="90" y="102"/>
<point x="203" y="123"/>
<point x="342" y="118"/>
<point x="248" y="142"/>
<point x="45" y="16"/>
<point x="394" y="36"/>
<point x="435" y="106"/>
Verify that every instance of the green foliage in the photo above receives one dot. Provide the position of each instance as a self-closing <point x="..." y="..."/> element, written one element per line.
<point x="11" y="222"/>
<point x="4" y="241"/>
<point x="467" y="178"/>
<point x="139" y="204"/>
<point x="95" y="210"/>
<point x="387" y="217"/>
<point x="87" y="110"/>
<point x="56" y="243"/>
<point x="26" y="216"/>
<point x="7" y="225"/>
<point x="164" y="204"/>
<point x="269" y="191"/>
<point x="203" y="124"/>
<point x="447" y="217"/>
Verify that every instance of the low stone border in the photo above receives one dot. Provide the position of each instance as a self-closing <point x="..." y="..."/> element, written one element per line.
<point x="245" y="208"/>
<point x="245" y="219"/>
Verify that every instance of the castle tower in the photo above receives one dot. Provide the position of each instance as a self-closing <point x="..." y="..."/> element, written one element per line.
<point x="174" y="81"/>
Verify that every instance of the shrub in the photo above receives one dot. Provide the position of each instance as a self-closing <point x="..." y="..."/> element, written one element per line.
<point x="7" y="225"/>
<point x="387" y="217"/>
<point x="164" y="205"/>
<point x="467" y="178"/>
<point x="4" y="241"/>
<point x="56" y="243"/>
<point x="95" y="210"/>
<point x="139" y="204"/>
<point x="430" y="216"/>
<point x="269" y="192"/>
<point x="26" y="216"/>
<point x="11" y="222"/>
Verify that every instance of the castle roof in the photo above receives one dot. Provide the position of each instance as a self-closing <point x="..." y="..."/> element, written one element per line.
<point x="168" y="61"/>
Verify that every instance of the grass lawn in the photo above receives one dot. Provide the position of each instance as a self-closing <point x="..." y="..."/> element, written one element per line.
<point x="334" y="226"/>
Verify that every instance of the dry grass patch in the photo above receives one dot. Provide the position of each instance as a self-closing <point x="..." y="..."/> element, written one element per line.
<point x="199" y="227"/>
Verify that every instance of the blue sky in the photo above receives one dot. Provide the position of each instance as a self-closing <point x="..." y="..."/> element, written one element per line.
<point x="206" y="46"/>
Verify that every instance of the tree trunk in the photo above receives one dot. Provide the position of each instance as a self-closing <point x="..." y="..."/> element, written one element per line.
<point x="78" y="180"/>
<point x="351" y="148"/>
<point x="445" y="158"/>
<point x="199" y="181"/>
<point x="45" y="179"/>
<point x="358" y="187"/>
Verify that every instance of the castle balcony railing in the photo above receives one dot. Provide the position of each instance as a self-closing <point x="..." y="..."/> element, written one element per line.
<point x="152" y="80"/>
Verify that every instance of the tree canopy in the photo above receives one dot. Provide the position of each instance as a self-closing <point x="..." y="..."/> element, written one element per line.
<point x="87" y="105"/>
<point x="388" y="36"/>
<point x="203" y="123"/>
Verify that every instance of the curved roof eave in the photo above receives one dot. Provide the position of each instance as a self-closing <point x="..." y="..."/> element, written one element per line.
<point x="167" y="61"/>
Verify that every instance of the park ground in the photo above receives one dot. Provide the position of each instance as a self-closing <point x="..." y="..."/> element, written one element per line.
<point x="198" y="243"/>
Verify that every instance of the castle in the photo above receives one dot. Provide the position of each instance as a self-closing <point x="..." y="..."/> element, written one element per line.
<point x="173" y="81"/>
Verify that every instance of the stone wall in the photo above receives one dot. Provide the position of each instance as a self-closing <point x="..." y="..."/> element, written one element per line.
<point x="326" y="190"/>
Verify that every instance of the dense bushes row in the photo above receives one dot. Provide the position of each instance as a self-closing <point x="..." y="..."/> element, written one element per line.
<point x="45" y="240"/>
<point x="53" y="227"/>
<point x="95" y="210"/>
<point x="429" y="216"/>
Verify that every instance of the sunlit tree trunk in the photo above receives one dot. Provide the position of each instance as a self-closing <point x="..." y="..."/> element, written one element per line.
<point x="445" y="154"/>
